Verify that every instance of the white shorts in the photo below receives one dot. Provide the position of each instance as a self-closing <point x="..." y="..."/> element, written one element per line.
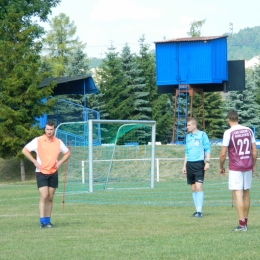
<point x="239" y="180"/>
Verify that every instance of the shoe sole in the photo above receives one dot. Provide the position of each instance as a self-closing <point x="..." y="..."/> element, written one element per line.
<point x="244" y="229"/>
<point x="194" y="215"/>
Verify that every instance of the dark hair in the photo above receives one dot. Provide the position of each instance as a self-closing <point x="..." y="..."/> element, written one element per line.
<point x="50" y="123"/>
<point x="232" y="115"/>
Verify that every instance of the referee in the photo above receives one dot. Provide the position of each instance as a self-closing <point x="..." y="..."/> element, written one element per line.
<point x="196" y="162"/>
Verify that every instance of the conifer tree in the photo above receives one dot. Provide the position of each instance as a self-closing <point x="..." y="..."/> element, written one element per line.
<point x="213" y="113"/>
<point x="256" y="75"/>
<point x="146" y="62"/>
<point x="162" y="105"/>
<point x="244" y="102"/>
<point x="111" y="79"/>
<point x="135" y="103"/>
<point x="163" y="114"/>
<point x="94" y="101"/>
<point x="20" y="95"/>
<point x="78" y="63"/>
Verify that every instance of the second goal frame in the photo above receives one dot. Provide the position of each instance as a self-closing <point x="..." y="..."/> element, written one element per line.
<point x="90" y="144"/>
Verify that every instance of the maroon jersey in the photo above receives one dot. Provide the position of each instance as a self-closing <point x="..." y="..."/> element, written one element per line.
<point x="239" y="141"/>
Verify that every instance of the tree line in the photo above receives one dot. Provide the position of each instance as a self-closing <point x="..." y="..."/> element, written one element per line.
<point x="126" y="80"/>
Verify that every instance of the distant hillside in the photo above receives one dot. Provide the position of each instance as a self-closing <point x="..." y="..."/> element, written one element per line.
<point x="245" y="44"/>
<point x="94" y="63"/>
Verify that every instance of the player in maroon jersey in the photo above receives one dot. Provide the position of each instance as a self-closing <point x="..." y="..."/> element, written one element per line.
<point x="239" y="142"/>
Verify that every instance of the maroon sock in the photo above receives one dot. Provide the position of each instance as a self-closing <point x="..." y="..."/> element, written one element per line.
<point x="242" y="222"/>
<point x="245" y="220"/>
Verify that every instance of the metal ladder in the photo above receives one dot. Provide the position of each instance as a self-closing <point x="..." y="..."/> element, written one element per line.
<point x="180" y="114"/>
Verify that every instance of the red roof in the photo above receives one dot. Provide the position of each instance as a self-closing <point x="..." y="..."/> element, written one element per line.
<point x="192" y="39"/>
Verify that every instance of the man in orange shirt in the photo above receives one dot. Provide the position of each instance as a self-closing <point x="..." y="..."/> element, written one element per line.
<point x="48" y="149"/>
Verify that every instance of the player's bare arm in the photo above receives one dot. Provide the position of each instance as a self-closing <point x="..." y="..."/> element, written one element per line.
<point x="222" y="159"/>
<point x="184" y="166"/>
<point x="29" y="156"/>
<point x="254" y="154"/>
<point x="207" y="162"/>
<point x="63" y="159"/>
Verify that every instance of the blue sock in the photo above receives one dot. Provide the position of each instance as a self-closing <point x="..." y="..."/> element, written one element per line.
<point x="47" y="220"/>
<point x="200" y="198"/>
<point x="42" y="220"/>
<point x="194" y="196"/>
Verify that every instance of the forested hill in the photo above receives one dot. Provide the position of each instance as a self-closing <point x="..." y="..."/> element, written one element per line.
<point x="245" y="44"/>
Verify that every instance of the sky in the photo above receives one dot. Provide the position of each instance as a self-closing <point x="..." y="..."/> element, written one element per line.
<point x="101" y="23"/>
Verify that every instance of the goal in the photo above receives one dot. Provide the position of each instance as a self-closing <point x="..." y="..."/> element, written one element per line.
<point x="120" y="160"/>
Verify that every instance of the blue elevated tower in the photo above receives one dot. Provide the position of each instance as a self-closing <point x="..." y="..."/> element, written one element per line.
<point x="185" y="66"/>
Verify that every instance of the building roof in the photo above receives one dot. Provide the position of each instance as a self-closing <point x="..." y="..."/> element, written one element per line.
<point x="83" y="84"/>
<point x="192" y="39"/>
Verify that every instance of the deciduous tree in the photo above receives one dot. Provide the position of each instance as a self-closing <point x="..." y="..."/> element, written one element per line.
<point x="60" y="44"/>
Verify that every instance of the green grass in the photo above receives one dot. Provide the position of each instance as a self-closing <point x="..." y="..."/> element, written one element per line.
<point x="85" y="231"/>
<point x="124" y="231"/>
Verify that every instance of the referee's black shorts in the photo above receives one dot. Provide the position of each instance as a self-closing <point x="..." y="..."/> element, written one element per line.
<point x="49" y="180"/>
<point x="195" y="172"/>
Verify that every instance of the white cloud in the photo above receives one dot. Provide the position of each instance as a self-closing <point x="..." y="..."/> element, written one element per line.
<point x="121" y="9"/>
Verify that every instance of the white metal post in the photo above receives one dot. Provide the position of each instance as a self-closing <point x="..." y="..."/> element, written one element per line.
<point x="82" y="172"/>
<point x="90" y="154"/>
<point x="153" y="155"/>
<point x="157" y="170"/>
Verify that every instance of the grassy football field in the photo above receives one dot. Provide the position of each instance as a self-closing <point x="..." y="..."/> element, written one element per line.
<point x="90" y="231"/>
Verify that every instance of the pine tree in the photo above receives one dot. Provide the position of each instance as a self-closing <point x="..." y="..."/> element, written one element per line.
<point x="135" y="103"/>
<point x="21" y="98"/>
<point x="213" y="113"/>
<point x="111" y="79"/>
<point x="146" y="62"/>
<point x="162" y="105"/>
<point x="163" y="114"/>
<point x="244" y="102"/>
<point x="256" y="73"/>
<point x="78" y="63"/>
<point x="94" y="101"/>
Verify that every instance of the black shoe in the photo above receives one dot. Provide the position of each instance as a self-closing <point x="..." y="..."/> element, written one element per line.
<point x="199" y="215"/>
<point x="49" y="225"/>
<point x="241" y="228"/>
<point x="194" y="214"/>
<point x="43" y="226"/>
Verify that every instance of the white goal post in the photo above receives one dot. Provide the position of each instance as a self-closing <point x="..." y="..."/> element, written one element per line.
<point x="90" y="144"/>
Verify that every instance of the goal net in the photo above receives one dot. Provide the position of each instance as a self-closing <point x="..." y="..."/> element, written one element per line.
<point x="112" y="155"/>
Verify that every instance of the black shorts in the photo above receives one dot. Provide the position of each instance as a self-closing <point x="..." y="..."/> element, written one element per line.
<point x="195" y="172"/>
<point x="49" y="180"/>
